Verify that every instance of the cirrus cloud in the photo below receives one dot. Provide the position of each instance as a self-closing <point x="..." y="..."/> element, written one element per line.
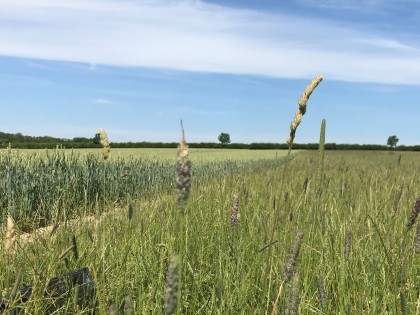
<point x="197" y="36"/>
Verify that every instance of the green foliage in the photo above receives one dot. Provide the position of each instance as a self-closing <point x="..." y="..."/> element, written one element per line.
<point x="224" y="138"/>
<point x="97" y="139"/>
<point x="392" y="142"/>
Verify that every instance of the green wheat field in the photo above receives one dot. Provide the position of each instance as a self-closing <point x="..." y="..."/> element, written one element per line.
<point x="261" y="232"/>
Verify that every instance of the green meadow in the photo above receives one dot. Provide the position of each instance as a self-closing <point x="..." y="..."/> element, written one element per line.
<point x="313" y="235"/>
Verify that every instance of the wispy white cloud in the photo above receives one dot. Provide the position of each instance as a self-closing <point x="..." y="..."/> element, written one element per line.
<point x="193" y="35"/>
<point x="103" y="101"/>
<point x="359" y="5"/>
<point x="344" y="4"/>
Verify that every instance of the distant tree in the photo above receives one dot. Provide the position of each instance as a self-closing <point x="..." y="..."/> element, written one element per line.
<point x="392" y="142"/>
<point x="97" y="138"/>
<point x="224" y="138"/>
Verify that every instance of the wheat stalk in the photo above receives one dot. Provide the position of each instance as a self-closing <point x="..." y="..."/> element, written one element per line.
<point x="302" y="109"/>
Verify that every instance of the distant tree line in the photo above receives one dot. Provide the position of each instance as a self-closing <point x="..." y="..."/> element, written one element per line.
<point x="28" y="142"/>
<point x="18" y="140"/>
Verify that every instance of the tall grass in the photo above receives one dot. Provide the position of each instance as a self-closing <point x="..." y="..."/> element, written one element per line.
<point x="362" y="261"/>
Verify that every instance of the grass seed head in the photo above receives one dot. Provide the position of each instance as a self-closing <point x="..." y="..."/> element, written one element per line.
<point x="128" y="306"/>
<point x="172" y="285"/>
<point x="321" y="293"/>
<point x="397" y="199"/>
<point x="105" y="143"/>
<point x="183" y="171"/>
<point x="234" y="215"/>
<point x="302" y="108"/>
<point x="292" y="258"/>
<point x="130" y="211"/>
<point x="10" y="234"/>
<point x="112" y="310"/>
<point x="348" y="240"/>
<point x="293" y="298"/>
<point x="417" y="240"/>
<point x="414" y="214"/>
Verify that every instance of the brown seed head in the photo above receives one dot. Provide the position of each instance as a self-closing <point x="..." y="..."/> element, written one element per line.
<point x="414" y="214"/>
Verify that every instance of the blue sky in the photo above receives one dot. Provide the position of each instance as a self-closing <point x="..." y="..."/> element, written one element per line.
<point x="136" y="68"/>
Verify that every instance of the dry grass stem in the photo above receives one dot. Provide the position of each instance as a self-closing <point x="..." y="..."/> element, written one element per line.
<point x="276" y="302"/>
<point x="302" y="108"/>
<point x="65" y="252"/>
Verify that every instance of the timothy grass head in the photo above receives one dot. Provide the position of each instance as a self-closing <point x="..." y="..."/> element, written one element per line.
<point x="183" y="170"/>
